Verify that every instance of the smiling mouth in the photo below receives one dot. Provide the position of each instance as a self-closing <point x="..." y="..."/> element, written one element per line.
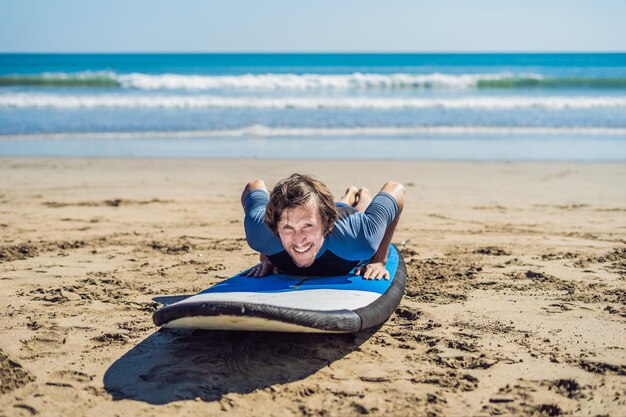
<point x="303" y="249"/>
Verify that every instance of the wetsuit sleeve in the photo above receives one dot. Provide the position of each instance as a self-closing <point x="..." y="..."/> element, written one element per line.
<point x="259" y="236"/>
<point x="358" y="236"/>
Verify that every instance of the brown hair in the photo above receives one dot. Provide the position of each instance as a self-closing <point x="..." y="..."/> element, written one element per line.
<point x="295" y="191"/>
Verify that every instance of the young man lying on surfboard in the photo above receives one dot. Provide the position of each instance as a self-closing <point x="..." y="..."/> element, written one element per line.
<point x="300" y="230"/>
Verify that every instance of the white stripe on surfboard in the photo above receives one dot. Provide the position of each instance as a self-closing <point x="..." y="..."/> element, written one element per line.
<point x="321" y="300"/>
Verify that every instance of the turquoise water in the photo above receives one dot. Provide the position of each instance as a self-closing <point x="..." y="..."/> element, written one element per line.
<point x="414" y="106"/>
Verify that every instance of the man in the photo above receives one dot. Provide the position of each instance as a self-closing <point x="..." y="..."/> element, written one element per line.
<point x="299" y="229"/>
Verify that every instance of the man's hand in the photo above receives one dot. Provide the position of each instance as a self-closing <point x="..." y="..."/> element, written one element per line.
<point x="262" y="268"/>
<point x="373" y="270"/>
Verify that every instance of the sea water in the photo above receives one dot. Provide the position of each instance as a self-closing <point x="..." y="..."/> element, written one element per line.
<point x="373" y="106"/>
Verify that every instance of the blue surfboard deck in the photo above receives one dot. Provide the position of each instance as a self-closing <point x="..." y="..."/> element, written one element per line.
<point x="280" y="302"/>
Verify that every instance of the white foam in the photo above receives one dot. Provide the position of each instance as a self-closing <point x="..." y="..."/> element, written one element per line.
<point x="310" y="81"/>
<point x="37" y="100"/>
<point x="262" y="131"/>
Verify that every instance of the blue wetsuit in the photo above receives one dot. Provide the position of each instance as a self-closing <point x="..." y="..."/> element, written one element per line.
<point x="355" y="237"/>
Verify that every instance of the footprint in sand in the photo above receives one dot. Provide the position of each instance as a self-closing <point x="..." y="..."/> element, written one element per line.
<point x="12" y="375"/>
<point x="68" y="378"/>
<point x="46" y="343"/>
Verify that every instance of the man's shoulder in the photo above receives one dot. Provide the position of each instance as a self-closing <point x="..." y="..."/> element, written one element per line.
<point x="348" y="225"/>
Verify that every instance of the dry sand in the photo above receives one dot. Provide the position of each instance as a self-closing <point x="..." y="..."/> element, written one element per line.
<point x="515" y="303"/>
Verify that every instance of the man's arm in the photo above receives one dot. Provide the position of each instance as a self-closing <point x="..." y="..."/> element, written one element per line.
<point x="376" y="267"/>
<point x="265" y="266"/>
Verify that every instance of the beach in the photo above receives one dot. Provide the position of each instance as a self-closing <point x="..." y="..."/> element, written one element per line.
<point x="515" y="301"/>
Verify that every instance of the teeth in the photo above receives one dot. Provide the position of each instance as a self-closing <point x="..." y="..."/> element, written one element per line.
<point x="302" y="250"/>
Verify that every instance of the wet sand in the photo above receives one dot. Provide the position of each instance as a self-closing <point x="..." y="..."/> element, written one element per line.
<point x="515" y="301"/>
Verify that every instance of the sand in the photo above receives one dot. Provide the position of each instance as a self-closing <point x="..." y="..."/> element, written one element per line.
<point x="515" y="303"/>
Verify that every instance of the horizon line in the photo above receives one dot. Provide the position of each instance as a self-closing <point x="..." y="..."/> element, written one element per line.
<point x="310" y="52"/>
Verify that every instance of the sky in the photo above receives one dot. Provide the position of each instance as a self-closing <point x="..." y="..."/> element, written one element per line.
<point x="312" y="26"/>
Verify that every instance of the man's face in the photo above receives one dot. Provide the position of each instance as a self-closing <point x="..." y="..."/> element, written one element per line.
<point x="301" y="231"/>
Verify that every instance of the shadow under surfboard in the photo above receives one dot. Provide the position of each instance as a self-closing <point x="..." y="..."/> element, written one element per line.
<point x="174" y="365"/>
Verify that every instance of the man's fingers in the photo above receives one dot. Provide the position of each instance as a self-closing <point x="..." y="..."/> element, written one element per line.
<point x="261" y="269"/>
<point x="371" y="272"/>
<point x="266" y="269"/>
<point x="254" y="271"/>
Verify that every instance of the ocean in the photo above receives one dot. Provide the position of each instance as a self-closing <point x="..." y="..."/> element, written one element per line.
<point x="367" y="106"/>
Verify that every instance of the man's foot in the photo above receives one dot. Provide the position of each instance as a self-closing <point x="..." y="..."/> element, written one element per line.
<point x="350" y="198"/>
<point x="364" y="198"/>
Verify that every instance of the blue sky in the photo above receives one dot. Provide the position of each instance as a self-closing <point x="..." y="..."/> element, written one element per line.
<point x="316" y="26"/>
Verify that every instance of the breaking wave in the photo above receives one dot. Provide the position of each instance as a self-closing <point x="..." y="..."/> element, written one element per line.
<point x="354" y="81"/>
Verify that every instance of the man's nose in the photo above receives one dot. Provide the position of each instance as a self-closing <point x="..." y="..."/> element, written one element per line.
<point x="300" y="236"/>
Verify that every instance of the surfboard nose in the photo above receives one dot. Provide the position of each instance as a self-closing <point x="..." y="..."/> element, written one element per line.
<point x="340" y="304"/>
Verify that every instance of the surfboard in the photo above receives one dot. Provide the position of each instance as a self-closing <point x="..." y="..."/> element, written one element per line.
<point x="288" y="303"/>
